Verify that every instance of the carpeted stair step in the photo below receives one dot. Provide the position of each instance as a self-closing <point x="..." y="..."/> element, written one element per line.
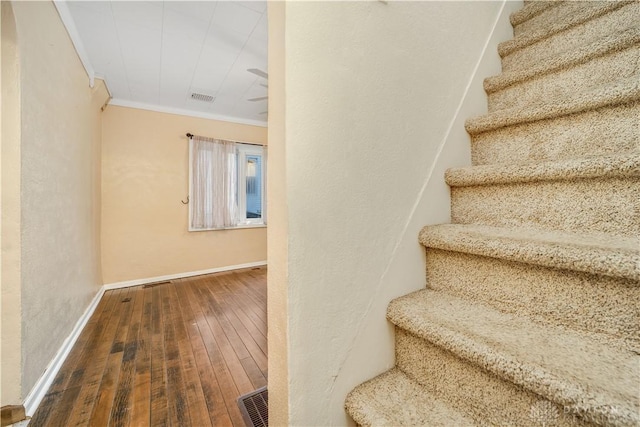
<point x="618" y="40"/>
<point x="535" y="274"/>
<point x="484" y="397"/>
<point x="531" y="10"/>
<point x="599" y="120"/>
<point x="393" y="399"/>
<point x="594" y="254"/>
<point x="603" y="131"/>
<point x="606" y="59"/>
<point x="592" y="195"/>
<point x="564" y="15"/>
<point x="620" y="91"/>
<point x="497" y="367"/>
<point x="593" y="21"/>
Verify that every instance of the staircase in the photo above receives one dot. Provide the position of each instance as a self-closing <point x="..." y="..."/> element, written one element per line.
<point x="531" y="314"/>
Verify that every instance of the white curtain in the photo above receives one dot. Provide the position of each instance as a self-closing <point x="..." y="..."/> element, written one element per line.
<point x="213" y="183"/>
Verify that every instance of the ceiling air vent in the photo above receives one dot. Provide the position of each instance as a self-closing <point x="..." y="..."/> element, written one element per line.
<point x="202" y="97"/>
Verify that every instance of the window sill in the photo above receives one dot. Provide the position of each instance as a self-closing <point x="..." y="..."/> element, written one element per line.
<point x="237" y="227"/>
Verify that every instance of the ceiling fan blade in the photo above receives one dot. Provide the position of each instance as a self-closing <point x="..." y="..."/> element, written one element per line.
<point x="258" y="73"/>
<point x="262" y="98"/>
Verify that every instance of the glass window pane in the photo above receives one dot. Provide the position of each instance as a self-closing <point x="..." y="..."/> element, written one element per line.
<point x="254" y="186"/>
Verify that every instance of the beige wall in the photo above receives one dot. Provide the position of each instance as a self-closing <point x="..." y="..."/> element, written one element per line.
<point x="277" y="297"/>
<point x="10" y="306"/>
<point x="59" y="194"/>
<point x="372" y="93"/>
<point x="144" y="178"/>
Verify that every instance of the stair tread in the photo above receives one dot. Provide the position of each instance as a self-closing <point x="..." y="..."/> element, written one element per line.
<point x="619" y="40"/>
<point x="531" y="10"/>
<point x="392" y="398"/>
<point x="585" y="12"/>
<point x="606" y="166"/>
<point x="590" y="379"/>
<point x="612" y="93"/>
<point x="591" y="253"/>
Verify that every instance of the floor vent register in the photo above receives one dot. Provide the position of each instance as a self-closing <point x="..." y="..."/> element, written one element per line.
<point x="254" y="408"/>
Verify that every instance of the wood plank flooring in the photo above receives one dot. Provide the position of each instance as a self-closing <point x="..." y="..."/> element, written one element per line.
<point x="172" y="354"/>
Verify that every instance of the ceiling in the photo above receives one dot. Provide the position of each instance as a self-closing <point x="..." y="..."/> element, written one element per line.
<point x="155" y="54"/>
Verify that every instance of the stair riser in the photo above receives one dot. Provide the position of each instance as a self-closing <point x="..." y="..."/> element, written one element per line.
<point x="573" y="37"/>
<point x="560" y="12"/>
<point x="581" y="206"/>
<point x="579" y="301"/>
<point x="607" y="130"/>
<point x="568" y="81"/>
<point x="480" y="394"/>
<point x="531" y="10"/>
<point x="408" y="404"/>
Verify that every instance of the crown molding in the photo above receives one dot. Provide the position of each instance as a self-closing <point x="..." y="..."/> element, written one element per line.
<point x="72" y="30"/>
<point x="183" y="112"/>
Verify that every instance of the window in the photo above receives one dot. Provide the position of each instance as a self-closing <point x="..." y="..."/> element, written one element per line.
<point x="226" y="184"/>
<point x="250" y="188"/>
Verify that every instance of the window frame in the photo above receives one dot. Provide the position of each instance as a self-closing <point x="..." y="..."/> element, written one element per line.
<point x="242" y="152"/>
<point x="254" y="149"/>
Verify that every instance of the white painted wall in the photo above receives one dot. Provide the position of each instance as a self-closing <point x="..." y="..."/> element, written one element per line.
<point x="405" y="270"/>
<point x="371" y="117"/>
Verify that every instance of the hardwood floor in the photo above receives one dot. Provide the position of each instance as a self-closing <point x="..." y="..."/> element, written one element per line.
<point x="172" y="354"/>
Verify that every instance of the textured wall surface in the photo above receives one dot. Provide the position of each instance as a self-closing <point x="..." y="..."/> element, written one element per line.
<point x="60" y="186"/>
<point x="372" y="96"/>
<point x="145" y="175"/>
<point x="10" y="310"/>
<point x="277" y="234"/>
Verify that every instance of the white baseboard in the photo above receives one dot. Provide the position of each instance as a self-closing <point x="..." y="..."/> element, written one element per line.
<point x="137" y="282"/>
<point x="41" y="387"/>
<point x="39" y="390"/>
